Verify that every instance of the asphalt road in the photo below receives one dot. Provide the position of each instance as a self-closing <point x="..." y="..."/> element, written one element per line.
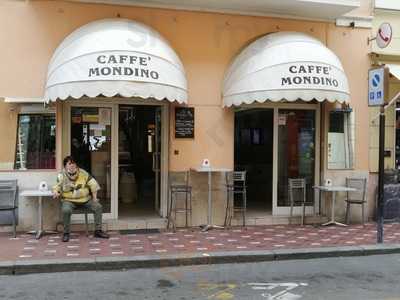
<point x="371" y="277"/>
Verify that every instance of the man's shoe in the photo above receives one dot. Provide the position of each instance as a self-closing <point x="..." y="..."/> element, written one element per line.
<point x="65" y="237"/>
<point x="101" y="234"/>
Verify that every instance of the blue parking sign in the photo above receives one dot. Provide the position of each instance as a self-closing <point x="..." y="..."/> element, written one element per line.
<point x="377" y="78"/>
<point x="371" y="95"/>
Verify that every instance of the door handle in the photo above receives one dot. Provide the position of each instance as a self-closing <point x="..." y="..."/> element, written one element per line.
<point x="156" y="165"/>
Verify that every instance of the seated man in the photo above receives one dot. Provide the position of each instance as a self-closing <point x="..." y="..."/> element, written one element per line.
<point x="77" y="188"/>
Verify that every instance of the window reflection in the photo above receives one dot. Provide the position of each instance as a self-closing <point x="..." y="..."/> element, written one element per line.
<point x="340" y="140"/>
<point x="296" y="151"/>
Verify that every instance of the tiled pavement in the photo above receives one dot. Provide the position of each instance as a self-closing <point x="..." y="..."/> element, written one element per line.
<point x="25" y="247"/>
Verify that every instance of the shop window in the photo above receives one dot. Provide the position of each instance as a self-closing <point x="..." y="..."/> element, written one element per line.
<point x="341" y="139"/>
<point x="35" y="147"/>
<point x="397" y="135"/>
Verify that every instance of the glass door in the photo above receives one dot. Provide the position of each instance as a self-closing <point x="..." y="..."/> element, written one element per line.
<point x="296" y="151"/>
<point x="90" y="145"/>
<point x="139" y="148"/>
<point x="157" y="158"/>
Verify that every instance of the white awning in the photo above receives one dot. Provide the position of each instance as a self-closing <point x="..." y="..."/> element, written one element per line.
<point x="285" y="66"/>
<point x="115" y="57"/>
<point x="394" y="69"/>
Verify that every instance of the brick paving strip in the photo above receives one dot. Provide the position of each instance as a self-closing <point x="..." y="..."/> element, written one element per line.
<point x="191" y="246"/>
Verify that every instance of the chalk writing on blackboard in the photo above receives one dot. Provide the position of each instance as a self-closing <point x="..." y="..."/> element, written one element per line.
<point x="184" y="122"/>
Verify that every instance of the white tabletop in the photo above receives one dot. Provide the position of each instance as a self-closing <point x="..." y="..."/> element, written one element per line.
<point x="211" y="169"/>
<point x="36" y="193"/>
<point x="334" y="188"/>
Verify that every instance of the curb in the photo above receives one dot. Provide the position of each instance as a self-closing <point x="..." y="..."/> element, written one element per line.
<point x="19" y="267"/>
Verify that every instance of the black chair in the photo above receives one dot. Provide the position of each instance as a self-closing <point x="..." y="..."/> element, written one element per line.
<point x="179" y="184"/>
<point x="356" y="197"/>
<point x="235" y="185"/>
<point x="9" y="200"/>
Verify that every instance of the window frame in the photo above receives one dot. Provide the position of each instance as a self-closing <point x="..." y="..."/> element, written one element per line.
<point x="42" y="115"/>
<point x="349" y="138"/>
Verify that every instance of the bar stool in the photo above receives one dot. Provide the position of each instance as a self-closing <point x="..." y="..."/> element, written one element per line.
<point x="298" y="184"/>
<point x="235" y="185"/>
<point x="179" y="185"/>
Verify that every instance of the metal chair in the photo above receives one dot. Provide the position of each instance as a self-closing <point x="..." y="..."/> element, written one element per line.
<point x="179" y="184"/>
<point x="357" y="197"/>
<point x="85" y="211"/>
<point x="297" y="184"/>
<point x="9" y="200"/>
<point x="78" y="210"/>
<point x="235" y="185"/>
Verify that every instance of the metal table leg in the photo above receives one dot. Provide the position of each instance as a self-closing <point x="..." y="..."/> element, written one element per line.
<point x="39" y="232"/>
<point x="209" y="224"/>
<point x="332" y="220"/>
<point x="40" y="220"/>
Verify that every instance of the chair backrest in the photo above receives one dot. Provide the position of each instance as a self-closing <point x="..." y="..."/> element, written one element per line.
<point x="236" y="177"/>
<point x="360" y="184"/>
<point x="179" y="178"/>
<point x="239" y="176"/>
<point x="297" y="184"/>
<point x="8" y="193"/>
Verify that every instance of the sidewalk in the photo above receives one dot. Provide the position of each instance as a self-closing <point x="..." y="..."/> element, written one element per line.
<point x="25" y="254"/>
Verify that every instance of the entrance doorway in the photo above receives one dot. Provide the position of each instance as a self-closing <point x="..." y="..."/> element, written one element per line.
<point x="254" y="129"/>
<point x="275" y="142"/>
<point x="90" y="142"/>
<point x="124" y="145"/>
<point x="296" y="151"/>
<point x="139" y="149"/>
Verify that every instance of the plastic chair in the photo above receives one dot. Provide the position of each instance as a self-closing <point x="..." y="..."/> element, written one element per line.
<point x="179" y="183"/>
<point x="297" y="184"/>
<point x="235" y="185"/>
<point x="9" y="200"/>
<point x="357" y="197"/>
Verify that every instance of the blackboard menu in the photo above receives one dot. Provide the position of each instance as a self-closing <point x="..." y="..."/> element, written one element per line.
<point x="184" y="122"/>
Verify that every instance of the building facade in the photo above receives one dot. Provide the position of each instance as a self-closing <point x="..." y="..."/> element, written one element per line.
<point x="279" y="95"/>
<point x="386" y="12"/>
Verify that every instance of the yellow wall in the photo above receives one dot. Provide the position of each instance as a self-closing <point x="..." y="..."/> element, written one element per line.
<point x="390" y="54"/>
<point x="349" y="45"/>
<point x="205" y="42"/>
<point x="390" y="131"/>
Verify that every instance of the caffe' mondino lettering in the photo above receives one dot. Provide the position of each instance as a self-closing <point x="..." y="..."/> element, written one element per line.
<point x="309" y="74"/>
<point x="123" y="65"/>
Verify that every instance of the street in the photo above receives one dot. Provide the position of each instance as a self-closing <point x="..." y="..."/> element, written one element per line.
<point x="372" y="277"/>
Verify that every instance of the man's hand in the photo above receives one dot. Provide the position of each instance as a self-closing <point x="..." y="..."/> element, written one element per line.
<point x="56" y="194"/>
<point x="94" y="197"/>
